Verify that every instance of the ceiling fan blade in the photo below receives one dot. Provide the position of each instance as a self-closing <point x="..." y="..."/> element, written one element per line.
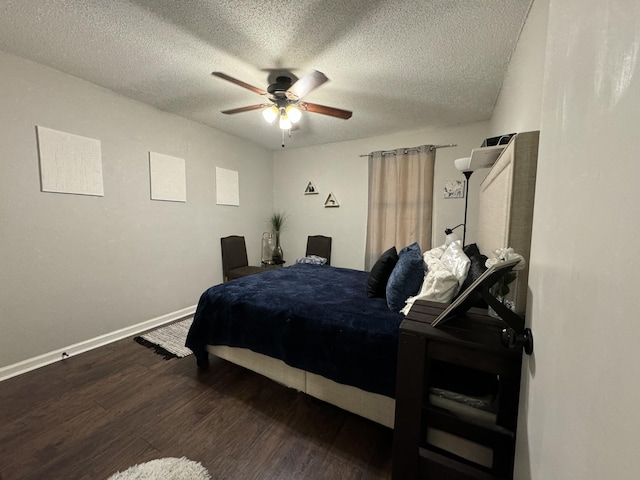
<point x="245" y="109"/>
<point x="240" y="83"/>
<point x="324" y="110"/>
<point x="307" y="83"/>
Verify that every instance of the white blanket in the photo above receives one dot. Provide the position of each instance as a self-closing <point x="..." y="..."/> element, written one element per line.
<point x="447" y="267"/>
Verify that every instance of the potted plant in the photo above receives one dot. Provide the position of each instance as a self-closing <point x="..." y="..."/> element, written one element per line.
<point x="277" y="220"/>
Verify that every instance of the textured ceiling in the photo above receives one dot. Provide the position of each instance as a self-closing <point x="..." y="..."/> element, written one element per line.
<point x="398" y="65"/>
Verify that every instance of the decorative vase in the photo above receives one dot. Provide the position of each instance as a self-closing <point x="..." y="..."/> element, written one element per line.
<point x="268" y="244"/>
<point x="277" y="251"/>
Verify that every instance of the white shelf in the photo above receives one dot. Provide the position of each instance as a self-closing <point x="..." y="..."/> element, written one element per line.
<point x="310" y="189"/>
<point x="331" y="201"/>
<point x="483" y="157"/>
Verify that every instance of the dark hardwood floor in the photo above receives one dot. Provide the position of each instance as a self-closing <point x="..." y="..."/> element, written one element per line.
<point x="103" y="411"/>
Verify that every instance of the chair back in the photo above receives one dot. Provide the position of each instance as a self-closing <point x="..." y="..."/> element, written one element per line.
<point x="319" y="245"/>
<point x="234" y="254"/>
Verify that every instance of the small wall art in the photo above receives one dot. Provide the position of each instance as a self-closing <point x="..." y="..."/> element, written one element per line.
<point x="331" y="201"/>
<point x="310" y="189"/>
<point x="168" y="178"/>
<point x="69" y="163"/>
<point x="227" y="187"/>
<point x="454" y="189"/>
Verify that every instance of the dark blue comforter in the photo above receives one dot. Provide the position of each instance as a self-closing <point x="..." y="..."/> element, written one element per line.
<point x="314" y="317"/>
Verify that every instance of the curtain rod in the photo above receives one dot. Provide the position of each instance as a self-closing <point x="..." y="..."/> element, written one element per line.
<point x="432" y="147"/>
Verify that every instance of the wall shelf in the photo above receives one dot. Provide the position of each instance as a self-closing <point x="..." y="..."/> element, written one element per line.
<point x="310" y="189"/>
<point x="331" y="201"/>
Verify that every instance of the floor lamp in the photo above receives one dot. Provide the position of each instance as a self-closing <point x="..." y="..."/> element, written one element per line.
<point x="483" y="157"/>
<point x="467" y="166"/>
<point x="467" y="175"/>
<point x="463" y="165"/>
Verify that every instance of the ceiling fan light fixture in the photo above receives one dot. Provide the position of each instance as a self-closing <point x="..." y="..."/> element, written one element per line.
<point x="270" y="113"/>
<point x="293" y="113"/>
<point x="285" y="122"/>
<point x="286" y="97"/>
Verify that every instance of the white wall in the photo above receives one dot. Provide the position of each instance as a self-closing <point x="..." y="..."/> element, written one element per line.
<point x="582" y="417"/>
<point x="518" y="106"/>
<point x="578" y="411"/>
<point x="75" y="267"/>
<point x="338" y="168"/>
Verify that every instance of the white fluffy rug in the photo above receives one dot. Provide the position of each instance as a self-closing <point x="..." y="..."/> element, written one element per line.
<point x="164" y="469"/>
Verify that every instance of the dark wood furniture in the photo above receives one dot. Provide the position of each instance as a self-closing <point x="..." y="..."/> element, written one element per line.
<point x="470" y="340"/>
<point x="319" y="245"/>
<point x="235" y="263"/>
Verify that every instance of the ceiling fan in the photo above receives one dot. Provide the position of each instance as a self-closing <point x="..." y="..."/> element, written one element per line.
<point x="286" y="99"/>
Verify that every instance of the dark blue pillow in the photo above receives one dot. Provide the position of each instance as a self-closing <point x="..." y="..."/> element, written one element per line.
<point x="380" y="273"/>
<point x="406" y="278"/>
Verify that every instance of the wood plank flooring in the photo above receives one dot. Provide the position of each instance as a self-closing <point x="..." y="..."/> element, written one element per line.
<point x="94" y="414"/>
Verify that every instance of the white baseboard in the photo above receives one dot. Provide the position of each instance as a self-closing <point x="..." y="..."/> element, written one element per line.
<point x="77" y="348"/>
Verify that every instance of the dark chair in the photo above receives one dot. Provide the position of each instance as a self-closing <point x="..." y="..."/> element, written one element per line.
<point x="319" y="245"/>
<point x="234" y="259"/>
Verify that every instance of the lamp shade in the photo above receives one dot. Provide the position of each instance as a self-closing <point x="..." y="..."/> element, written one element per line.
<point x="294" y="113"/>
<point x="285" y="123"/>
<point x="270" y="113"/>
<point x="463" y="164"/>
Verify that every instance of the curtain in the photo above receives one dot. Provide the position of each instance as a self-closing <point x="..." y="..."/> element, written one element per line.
<point x="400" y="200"/>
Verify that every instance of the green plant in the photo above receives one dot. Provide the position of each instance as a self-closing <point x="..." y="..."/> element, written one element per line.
<point x="277" y="221"/>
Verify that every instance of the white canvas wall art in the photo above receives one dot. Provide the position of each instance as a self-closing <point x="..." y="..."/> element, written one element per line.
<point x="168" y="178"/>
<point x="227" y="187"/>
<point x="69" y="163"/>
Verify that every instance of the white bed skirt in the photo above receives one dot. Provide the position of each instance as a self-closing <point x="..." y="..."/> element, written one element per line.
<point x="375" y="407"/>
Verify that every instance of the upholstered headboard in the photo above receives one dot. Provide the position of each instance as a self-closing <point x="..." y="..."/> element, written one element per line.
<point x="506" y="205"/>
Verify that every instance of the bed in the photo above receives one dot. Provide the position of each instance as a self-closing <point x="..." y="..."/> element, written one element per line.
<point x="346" y="355"/>
<point x="312" y="340"/>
